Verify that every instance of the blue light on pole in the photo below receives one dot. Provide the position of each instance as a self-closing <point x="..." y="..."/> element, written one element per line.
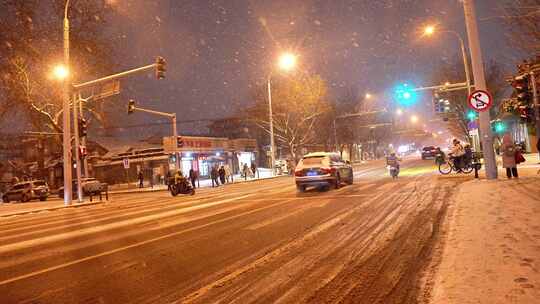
<point x="405" y="95"/>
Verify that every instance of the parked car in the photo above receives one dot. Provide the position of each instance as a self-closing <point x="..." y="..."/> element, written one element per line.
<point x="322" y="169"/>
<point x="26" y="191"/>
<point x="429" y="152"/>
<point x="90" y="186"/>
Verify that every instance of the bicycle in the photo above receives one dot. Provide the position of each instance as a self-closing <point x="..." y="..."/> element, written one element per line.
<point x="447" y="166"/>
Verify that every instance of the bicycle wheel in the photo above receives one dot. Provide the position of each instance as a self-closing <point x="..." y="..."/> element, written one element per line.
<point x="467" y="169"/>
<point x="445" y="168"/>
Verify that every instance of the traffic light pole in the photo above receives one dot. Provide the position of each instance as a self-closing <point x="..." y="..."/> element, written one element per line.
<point x="76" y="102"/>
<point x="85" y="160"/>
<point x="480" y="84"/>
<point x="172" y="116"/>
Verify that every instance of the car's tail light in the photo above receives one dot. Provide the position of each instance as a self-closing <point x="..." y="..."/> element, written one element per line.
<point x="299" y="172"/>
<point x="327" y="170"/>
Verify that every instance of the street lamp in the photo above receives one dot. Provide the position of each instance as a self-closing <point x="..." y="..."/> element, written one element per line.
<point x="399" y="112"/>
<point x="286" y="62"/>
<point x="60" y="72"/>
<point x="430" y="30"/>
<point x="414" y="119"/>
<point x="368" y="96"/>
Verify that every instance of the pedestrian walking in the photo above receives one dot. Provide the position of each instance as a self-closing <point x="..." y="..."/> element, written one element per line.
<point x="193" y="176"/>
<point x="214" y="176"/>
<point x="141" y="178"/>
<point x="168" y="180"/>
<point x="508" y="149"/>
<point x="228" y="174"/>
<point x="245" y="171"/>
<point x="221" y="173"/>
<point x="254" y="170"/>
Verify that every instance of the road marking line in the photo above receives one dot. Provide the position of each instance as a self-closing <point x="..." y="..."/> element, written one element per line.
<point x="49" y="269"/>
<point x="90" y="230"/>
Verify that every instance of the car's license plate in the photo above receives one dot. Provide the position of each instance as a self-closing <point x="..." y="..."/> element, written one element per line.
<point x="311" y="173"/>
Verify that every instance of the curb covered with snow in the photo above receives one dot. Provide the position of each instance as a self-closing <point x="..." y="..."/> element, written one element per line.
<point x="491" y="252"/>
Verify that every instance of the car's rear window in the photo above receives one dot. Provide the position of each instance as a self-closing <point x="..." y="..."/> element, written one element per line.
<point x="313" y="161"/>
<point x="429" y="148"/>
<point x="20" y="186"/>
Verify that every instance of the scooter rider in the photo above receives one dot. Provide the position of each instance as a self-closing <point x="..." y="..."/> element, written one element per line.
<point x="393" y="161"/>
<point x="179" y="177"/>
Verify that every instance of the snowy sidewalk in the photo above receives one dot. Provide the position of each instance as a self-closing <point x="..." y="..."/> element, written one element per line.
<point x="491" y="252"/>
<point x="203" y="183"/>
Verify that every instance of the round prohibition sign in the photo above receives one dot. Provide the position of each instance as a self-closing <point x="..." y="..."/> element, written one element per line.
<point x="480" y="100"/>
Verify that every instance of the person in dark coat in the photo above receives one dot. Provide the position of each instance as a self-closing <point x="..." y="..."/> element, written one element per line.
<point x="193" y="176"/>
<point x="141" y="178"/>
<point x="221" y="173"/>
<point x="214" y="175"/>
<point x="168" y="180"/>
<point x="245" y="171"/>
<point x="254" y="170"/>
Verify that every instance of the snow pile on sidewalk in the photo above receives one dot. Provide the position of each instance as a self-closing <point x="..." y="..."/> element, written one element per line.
<point x="492" y="249"/>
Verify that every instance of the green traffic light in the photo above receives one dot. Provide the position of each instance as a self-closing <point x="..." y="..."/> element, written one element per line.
<point x="500" y="127"/>
<point x="471" y="115"/>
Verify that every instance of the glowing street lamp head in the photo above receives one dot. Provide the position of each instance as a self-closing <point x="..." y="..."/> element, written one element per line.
<point x="368" y="96"/>
<point x="60" y="72"/>
<point x="414" y="119"/>
<point x="287" y="61"/>
<point x="429" y="30"/>
<point x="399" y="112"/>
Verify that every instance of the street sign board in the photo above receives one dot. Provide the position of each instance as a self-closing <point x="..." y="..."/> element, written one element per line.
<point x="125" y="161"/>
<point x="106" y="90"/>
<point x="480" y="100"/>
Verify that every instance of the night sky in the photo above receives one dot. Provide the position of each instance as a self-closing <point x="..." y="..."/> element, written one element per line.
<point x="217" y="51"/>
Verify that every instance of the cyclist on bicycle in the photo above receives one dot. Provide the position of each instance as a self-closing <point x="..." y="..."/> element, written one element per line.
<point x="457" y="153"/>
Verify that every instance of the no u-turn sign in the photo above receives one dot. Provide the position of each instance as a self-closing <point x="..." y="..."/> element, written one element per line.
<point x="480" y="100"/>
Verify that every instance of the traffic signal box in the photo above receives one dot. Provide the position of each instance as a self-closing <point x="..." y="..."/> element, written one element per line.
<point x="160" y="67"/>
<point x="522" y="89"/>
<point x="131" y="106"/>
<point x="83" y="127"/>
<point x="441" y="102"/>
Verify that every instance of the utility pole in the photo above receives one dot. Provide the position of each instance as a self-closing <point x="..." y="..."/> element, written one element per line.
<point x="66" y="114"/>
<point x="271" y="119"/>
<point x="480" y="84"/>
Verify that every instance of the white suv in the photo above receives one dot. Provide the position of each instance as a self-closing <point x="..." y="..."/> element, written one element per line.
<point x="322" y="169"/>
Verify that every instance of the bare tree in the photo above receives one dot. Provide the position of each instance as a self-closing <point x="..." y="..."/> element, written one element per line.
<point x="454" y="73"/>
<point x="298" y="106"/>
<point x="32" y="43"/>
<point x="522" y="18"/>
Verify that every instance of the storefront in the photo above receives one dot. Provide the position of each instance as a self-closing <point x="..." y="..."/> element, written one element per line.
<point x="203" y="153"/>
